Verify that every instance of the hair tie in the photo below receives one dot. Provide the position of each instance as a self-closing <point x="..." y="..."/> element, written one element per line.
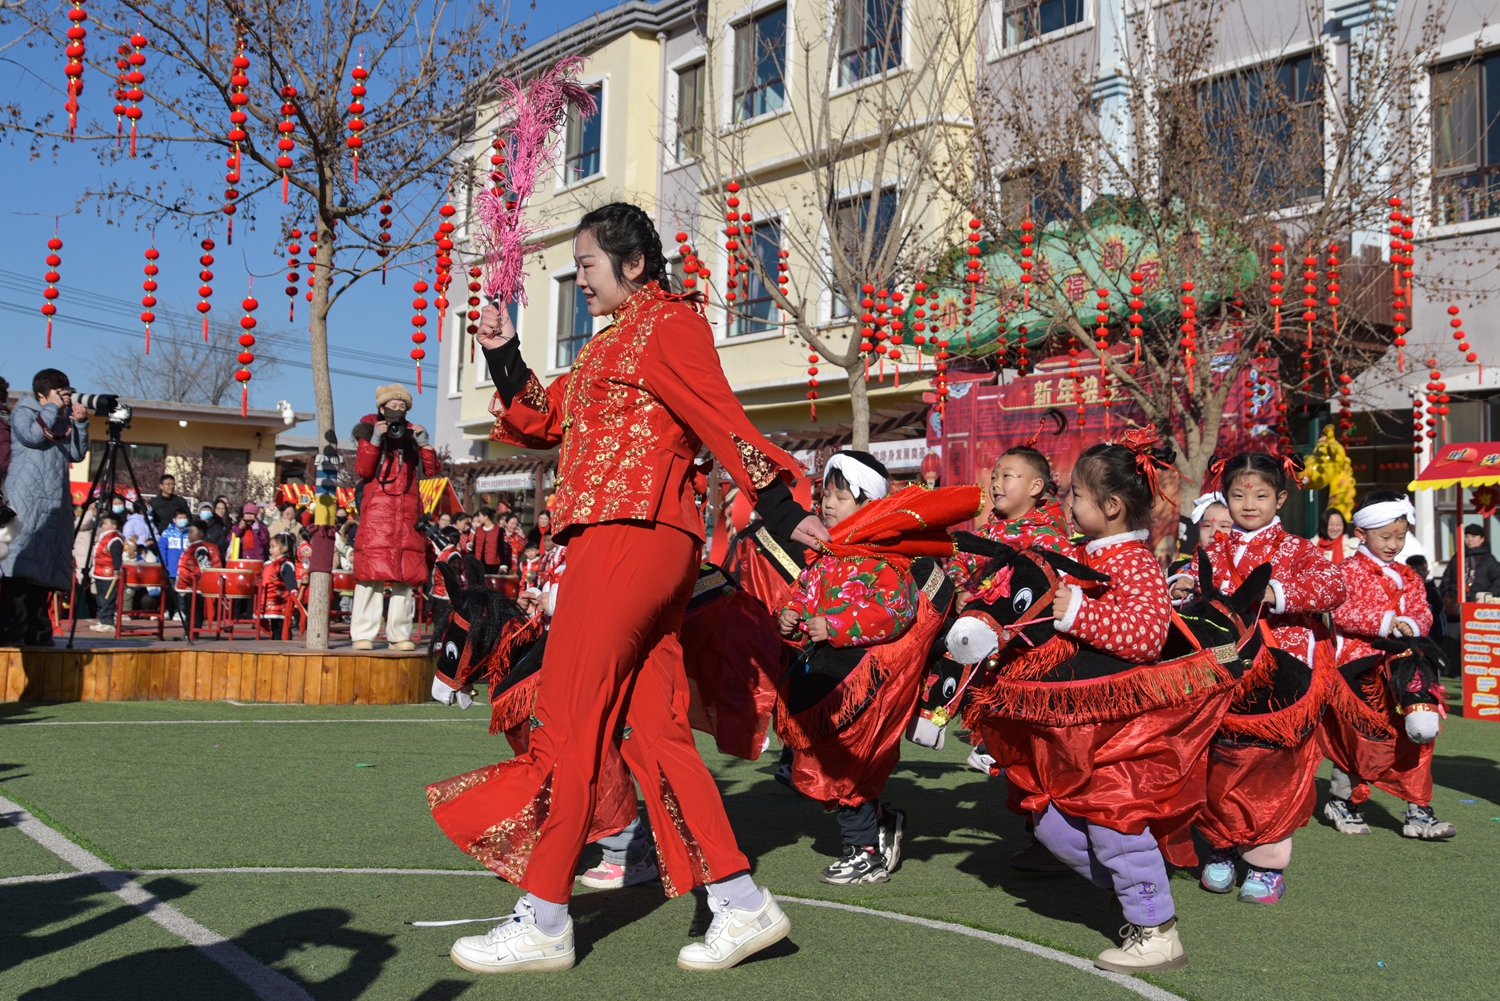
<point x="1142" y="441"/>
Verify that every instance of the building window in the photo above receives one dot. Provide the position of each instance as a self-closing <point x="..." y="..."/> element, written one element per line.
<point x="1040" y="197"/>
<point x="860" y="222"/>
<point x="574" y="324"/>
<point x="482" y="373"/>
<point x="689" y="112"/>
<point x="760" y="65"/>
<point x="756" y="311"/>
<point x="1032" y="18"/>
<point x="1466" y="143"/>
<point x="581" y="157"/>
<point x="1265" y="126"/>
<point x="869" y="38"/>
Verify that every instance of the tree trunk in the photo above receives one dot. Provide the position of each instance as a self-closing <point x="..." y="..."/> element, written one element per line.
<point x="320" y="584"/>
<point x="859" y="403"/>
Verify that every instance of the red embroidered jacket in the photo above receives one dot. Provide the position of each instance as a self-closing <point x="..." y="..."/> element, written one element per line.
<point x="1043" y="526"/>
<point x="865" y="600"/>
<point x="1129" y="616"/>
<point x="196" y="557"/>
<point x="642" y="398"/>
<point x="1304" y="582"/>
<point x="1379" y="596"/>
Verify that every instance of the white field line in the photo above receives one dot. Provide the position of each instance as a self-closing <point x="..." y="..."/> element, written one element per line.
<point x="1145" y="990"/>
<point x="266" y="983"/>
<point x="216" y="722"/>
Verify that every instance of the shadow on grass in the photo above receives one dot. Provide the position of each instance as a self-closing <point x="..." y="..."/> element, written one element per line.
<point x="1466" y="773"/>
<point x="41" y="922"/>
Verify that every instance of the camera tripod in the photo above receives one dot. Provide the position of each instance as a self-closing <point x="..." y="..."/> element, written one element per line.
<point x="105" y="474"/>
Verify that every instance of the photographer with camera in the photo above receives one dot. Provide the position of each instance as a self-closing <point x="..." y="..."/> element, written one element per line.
<point x="389" y="549"/>
<point x="49" y="431"/>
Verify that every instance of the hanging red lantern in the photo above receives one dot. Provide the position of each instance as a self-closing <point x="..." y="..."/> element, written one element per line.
<point x="1026" y="262"/>
<point x="781" y="271"/>
<point x="1101" y="341"/>
<point x="419" y="320"/>
<point x="135" y="77"/>
<point x="1416" y="423"/>
<point x="1278" y="264"/>
<point x="238" y="116"/>
<point x="205" y="276"/>
<point x="689" y="261"/>
<point x="1189" y="342"/>
<point x="812" y="385"/>
<point x="122" y="67"/>
<point x="1333" y="287"/>
<point x="444" y="263"/>
<point x="474" y="288"/>
<point x="247" y="341"/>
<point x="50" y="293"/>
<point x="148" y="301"/>
<point x="286" y="127"/>
<point x="919" y="319"/>
<point x="1136" y="319"/>
<point x="384" y="251"/>
<point x="1397" y="244"/>
<point x="356" y="109"/>
<point x="75" y="52"/>
<point x="293" y="248"/>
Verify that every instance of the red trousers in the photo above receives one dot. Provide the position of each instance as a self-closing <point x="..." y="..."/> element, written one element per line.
<point x="612" y="677"/>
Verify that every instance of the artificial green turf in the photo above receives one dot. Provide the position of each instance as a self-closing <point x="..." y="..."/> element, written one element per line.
<point x="291" y="794"/>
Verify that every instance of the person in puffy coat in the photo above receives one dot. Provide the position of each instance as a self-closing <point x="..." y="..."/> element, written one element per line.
<point x="49" y="432"/>
<point x="389" y="549"/>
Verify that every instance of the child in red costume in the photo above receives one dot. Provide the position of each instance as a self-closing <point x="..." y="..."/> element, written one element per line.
<point x="1261" y="768"/>
<point x="1387" y="600"/>
<point x="853" y="686"/>
<point x="641" y="400"/>
<point x="278" y="584"/>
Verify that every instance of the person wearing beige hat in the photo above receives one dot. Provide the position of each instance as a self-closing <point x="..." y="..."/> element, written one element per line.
<point x="389" y="550"/>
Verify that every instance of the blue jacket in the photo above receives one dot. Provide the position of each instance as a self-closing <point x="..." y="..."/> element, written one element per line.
<point x="172" y="541"/>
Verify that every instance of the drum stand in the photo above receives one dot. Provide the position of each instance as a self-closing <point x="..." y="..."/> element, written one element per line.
<point x="105" y="474"/>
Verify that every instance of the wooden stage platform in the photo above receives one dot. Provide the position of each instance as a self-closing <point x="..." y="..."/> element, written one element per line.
<point x="124" y="670"/>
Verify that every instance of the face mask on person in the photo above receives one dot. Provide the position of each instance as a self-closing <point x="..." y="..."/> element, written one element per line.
<point x="205" y="514"/>
<point x="181" y="522"/>
<point x="117" y="508"/>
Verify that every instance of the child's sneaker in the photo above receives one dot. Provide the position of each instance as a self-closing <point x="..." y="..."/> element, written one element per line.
<point x="1145" y="949"/>
<point x="613" y="876"/>
<point x="1261" y="887"/>
<point x="890" y="831"/>
<point x="1421" y="822"/>
<point x="981" y="761"/>
<point x="1218" y="871"/>
<point x="859" y="865"/>
<point x="1346" y="819"/>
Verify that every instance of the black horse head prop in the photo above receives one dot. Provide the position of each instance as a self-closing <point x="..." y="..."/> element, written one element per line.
<point x="471" y="629"/>
<point x="1414" y="667"/>
<point x="1012" y="597"/>
<point x="1215" y="619"/>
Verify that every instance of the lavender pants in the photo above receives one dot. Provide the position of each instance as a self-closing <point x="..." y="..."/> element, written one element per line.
<point x="1130" y="863"/>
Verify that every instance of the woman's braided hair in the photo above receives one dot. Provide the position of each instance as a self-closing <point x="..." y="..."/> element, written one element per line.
<point x="625" y="232"/>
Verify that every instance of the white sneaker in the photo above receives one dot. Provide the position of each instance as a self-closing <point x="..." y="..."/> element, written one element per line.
<point x="735" y="934"/>
<point x="613" y="876"/>
<point x="980" y="761"/>
<point x="517" y="946"/>
<point x="1145" y="949"/>
<point x="1345" y="818"/>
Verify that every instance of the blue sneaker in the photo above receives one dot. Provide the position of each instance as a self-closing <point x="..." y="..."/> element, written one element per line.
<point x="1262" y="887"/>
<point x="1218" y="872"/>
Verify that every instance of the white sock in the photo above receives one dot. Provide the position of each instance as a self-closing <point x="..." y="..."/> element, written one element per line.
<point x="738" y="891"/>
<point x="550" y="918"/>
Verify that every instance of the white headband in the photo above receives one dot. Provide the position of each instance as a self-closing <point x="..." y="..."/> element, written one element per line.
<point x="863" y="481"/>
<point x="1203" y="503"/>
<point x="1384" y="513"/>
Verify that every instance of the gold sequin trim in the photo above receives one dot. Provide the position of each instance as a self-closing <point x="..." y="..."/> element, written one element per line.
<point x="533" y="395"/>
<point x="505" y="849"/>
<point x="679" y="824"/>
<point x="773" y="549"/>
<point x="758" y="465"/>
<point x="450" y="789"/>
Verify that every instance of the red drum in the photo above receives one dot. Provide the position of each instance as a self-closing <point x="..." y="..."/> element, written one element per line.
<point x="510" y="586"/>
<point x="145" y="574"/>
<point x="251" y="565"/>
<point x="237" y="583"/>
<point x="343" y="581"/>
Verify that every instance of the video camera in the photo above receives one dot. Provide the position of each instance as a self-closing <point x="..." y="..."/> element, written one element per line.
<point x="106" y="405"/>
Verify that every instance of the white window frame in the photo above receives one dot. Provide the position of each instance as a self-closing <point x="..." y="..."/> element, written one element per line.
<point x="554" y="307"/>
<point x="726" y="63"/>
<point x="560" y="180"/>
<point x="698" y="54"/>
<point x="864" y="186"/>
<point x="999" y="50"/>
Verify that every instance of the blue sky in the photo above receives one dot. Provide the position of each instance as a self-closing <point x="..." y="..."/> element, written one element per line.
<point x="369" y="329"/>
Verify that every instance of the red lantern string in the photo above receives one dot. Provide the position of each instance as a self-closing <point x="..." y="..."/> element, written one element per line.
<point x="1437" y="399"/>
<point x="149" y="285"/>
<point x="1463" y="340"/>
<point x="1397" y="244"/>
<point x="1278" y="264"/>
<point x="1333" y="287"/>
<point x="880" y="330"/>
<point x="238" y="116"/>
<point x="1026" y="262"/>
<point x="867" y="332"/>
<point x="1189" y="328"/>
<point x="1022" y="362"/>
<point x="474" y="286"/>
<point x="812" y="385"/>
<point x="444" y="264"/>
<point x="689" y="261"/>
<point x="286" y="143"/>
<point x="1101" y="341"/>
<point x="75" y="51"/>
<point x="312" y="262"/>
<point x="781" y="272"/>
<point x="974" y="267"/>
<point x="419" y="320"/>
<point x="1309" y="314"/>
<point x="1136" y="319"/>
<point x="247" y="341"/>
<point x="50" y="293"/>
<point x="122" y="65"/>
<point x="205" y="276"/>
<point x="919" y="319"/>
<point x="1346" y="413"/>
<point x="1417" y="416"/>
<point x="357" y="108"/>
<point x="731" y="242"/>
<point x="1077" y="378"/>
<point x="385" y="236"/>
<point x="293" y="248"/>
<point x="497" y="160"/>
<point x="135" y="78"/>
<point x="896" y="325"/>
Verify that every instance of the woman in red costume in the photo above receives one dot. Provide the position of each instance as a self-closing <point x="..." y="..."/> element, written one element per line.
<point x="642" y="398"/>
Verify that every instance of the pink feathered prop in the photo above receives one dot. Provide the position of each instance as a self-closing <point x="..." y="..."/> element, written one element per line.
<point x="533" y="116"/>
